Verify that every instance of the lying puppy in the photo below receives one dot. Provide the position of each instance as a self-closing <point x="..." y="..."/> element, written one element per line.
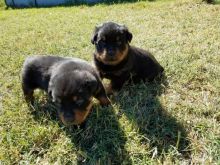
<point x="116" y="60"/>
<point x="70" y="82"/>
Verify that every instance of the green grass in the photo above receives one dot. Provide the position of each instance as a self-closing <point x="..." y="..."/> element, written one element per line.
<point x="175" y="122"/>
<point x="2" y="4"/>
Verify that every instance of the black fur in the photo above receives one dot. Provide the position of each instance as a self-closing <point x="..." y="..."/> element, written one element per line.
<point x="137" y="64"/>
<point x="63" y="79"/>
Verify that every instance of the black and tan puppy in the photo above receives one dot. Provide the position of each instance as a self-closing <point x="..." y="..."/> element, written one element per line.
<point x="71" y="82"/>
<point x="116" y="60"/>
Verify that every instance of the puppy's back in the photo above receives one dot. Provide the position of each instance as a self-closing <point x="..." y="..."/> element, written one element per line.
<point x="145" y="64"/>
<point x="36" y="70"/>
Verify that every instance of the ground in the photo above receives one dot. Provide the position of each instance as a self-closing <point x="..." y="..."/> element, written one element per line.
<point x="176" y="121"/>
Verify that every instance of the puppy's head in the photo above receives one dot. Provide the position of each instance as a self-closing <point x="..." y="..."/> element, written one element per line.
<point x="73" y="92"/>
<point x="111" y="41"/>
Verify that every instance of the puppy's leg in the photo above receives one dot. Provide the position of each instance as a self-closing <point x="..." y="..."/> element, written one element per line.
<point x="108" y="89"/>
<point x="101" y="75"/>
<point x="28" y="94"/>
<point x="115" y="85"/>
<point x="101" y="96"/>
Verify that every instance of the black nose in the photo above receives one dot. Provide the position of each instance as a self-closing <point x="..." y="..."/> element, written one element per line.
<point x="69" y="118"/>
<point x="111" y="52"/>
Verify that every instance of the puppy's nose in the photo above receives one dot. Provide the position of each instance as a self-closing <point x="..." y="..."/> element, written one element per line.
<point x="111" y="52"/>
<point x="69" y="119"/>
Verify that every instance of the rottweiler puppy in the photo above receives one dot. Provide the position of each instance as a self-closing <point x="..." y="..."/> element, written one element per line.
<point x="119" y="62"/>
<point x="71" y="82"/>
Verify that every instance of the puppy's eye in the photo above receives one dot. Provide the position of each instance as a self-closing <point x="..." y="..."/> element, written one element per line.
<point x="75" y="98"/>
<point x="101" y="43"/>
<point x="80" y="102"/>
<point x="57" y="100"/>
<point x="118" y="41"/>
<point x="103" y="39"/>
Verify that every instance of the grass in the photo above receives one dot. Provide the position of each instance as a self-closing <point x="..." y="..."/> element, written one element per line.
<point x="173" y="122"/>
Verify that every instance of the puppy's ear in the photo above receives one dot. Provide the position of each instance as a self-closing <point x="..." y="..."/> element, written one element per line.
<point x="129" y="36"/>
<point x="127" y="33"/>
<point x="95" y="35"/>
<point x="101" y="94"/>
<point x="50" y="91"/>
<point x="90" y="82"/>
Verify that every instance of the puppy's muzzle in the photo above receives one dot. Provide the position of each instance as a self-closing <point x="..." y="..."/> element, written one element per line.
<point x="111" y="53"/>
<point x="75" y="116"/>
<point x="111" y="56"/>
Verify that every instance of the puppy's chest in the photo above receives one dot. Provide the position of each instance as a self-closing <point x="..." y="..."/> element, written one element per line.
<point x="112" y="74"/>
<point x="109" y="74"/>
<point x="114" y="71"/>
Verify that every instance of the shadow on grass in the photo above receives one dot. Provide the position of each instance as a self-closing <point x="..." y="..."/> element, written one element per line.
<point x="142" y="107"/>
<point x="101" y="141"/>
<point x="212" y="2"/>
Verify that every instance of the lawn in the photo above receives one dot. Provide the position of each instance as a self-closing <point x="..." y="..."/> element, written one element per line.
<point x="177" y="121"/>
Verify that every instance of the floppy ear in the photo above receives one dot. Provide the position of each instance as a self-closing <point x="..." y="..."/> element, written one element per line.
<point x="129" y="36"/>
<point x="127" y="33"/>
<point x="95" y="34"/>
<point x="50" y="91"/>
<point x="101" y="94"/>
<point x="90" y="82"/>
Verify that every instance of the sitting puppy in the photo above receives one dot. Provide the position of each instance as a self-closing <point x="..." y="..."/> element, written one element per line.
<point x="70" y="82"/>
<point x="116" y="60"/>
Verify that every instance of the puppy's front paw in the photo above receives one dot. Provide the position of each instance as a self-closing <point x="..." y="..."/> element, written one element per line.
<point x="108" y="89"/>
<point x="104" y="101"/>
<point x="29" y="99"/>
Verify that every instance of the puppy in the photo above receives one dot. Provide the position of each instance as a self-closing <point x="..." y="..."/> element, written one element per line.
<point x="116" y="60"/>
<point x="71" y="82"/>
